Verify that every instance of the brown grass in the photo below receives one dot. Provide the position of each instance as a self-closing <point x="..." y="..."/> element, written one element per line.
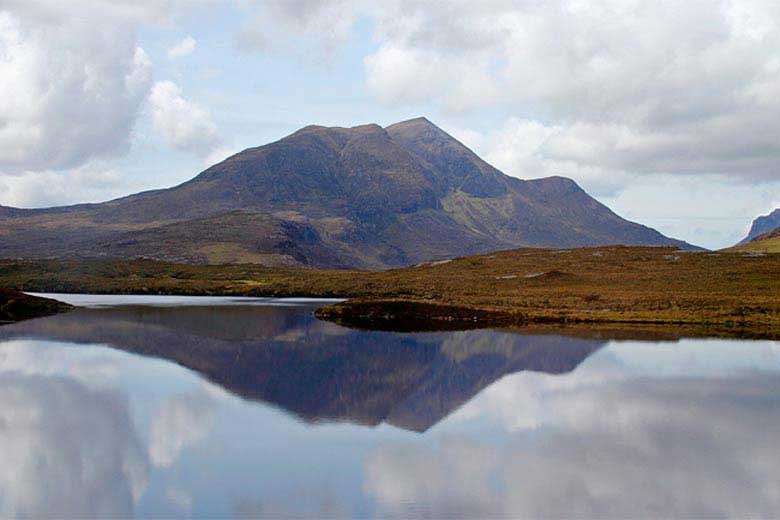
<point x="595" y="285"/>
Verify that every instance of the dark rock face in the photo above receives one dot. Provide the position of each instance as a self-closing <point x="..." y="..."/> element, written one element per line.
<point x="366" y="197"/>
<point x="762" y="225"/>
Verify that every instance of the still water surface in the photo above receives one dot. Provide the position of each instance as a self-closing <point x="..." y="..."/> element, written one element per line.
<point x="160" y="407"/>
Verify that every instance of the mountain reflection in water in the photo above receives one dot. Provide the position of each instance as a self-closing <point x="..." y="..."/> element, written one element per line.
<point x="314" y="369"/>
<point x="237" y="411"/>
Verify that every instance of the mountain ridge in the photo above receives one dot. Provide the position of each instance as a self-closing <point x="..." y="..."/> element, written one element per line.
<point x="365" y="197"/>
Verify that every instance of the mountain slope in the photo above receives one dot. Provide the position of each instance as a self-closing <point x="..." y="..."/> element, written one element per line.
<point x="762" y="225"/>
<point x="766" y="243"/>
<point x="364" y="197"/>
<point x="224" y="239"/>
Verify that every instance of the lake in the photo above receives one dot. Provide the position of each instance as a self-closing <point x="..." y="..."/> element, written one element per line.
<point x="240" y="407"/>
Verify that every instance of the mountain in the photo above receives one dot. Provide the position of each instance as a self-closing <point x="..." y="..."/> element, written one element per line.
<point x="365" y="197"/>
<point x="762" y="225"/>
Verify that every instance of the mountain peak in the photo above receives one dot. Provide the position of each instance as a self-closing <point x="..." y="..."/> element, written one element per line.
<point x="363" y="197"/>
<point x="359" y="129"/>
<point x="457" y="167"/>
<point x="417" y="126"/>
<point x="422" y="120"/>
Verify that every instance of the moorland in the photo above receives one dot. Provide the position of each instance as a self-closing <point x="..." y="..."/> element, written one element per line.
<point x="716" y="293"/>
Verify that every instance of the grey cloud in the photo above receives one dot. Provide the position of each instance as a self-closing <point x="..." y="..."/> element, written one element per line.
<point x="117" y="10"/>
<point x="308" y="30"/>
<point x="689" y="87"/>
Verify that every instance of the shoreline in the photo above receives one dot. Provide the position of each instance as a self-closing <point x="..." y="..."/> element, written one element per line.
<point x="406" y="316"/>
<point x="725" y="293"/>
<point x="429" y="316"/>
<point x="415" y="316"/>
<point x="17" y="306"/>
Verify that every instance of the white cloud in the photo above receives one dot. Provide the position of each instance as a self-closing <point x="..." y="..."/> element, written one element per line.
<point x="183" y="48"/>
<point x="94" y="181"/>
<point x="626" y="87"/>
<point x="633" y="87"/>
<point x="184" y="125"/>
<point x="72" y="87"/>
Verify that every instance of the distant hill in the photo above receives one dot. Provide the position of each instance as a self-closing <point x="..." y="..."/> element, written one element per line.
<point x="763" y="225"/>
<point x="365" y="197"/>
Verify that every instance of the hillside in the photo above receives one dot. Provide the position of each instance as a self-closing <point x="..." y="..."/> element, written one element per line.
<point x="763" y="225"/>
<point x="766" y="243"/>
<point x="361" y="197"/>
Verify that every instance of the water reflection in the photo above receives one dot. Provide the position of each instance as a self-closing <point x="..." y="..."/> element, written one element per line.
<point x="471" y="424"/>
<point x="314" y="369"/>
<point x="67" y="450"/>
<point x="690" y="448"/>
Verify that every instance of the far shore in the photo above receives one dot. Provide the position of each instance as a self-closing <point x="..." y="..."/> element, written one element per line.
<point x="708" y="293"/>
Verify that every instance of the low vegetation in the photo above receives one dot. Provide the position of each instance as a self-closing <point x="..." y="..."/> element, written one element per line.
<point x="766" y="243"/>
<point x="17" y="306"/>
<point x="629" y="285"/>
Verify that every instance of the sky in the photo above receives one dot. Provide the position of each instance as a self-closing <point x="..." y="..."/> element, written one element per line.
<point x="666" y="111"/>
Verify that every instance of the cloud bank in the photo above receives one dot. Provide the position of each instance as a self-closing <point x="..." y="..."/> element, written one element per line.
<point x="71" y="90"/>
<point x="607" y="86"/>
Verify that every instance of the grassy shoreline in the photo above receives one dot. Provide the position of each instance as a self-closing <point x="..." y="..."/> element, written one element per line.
<point x="415" y="316"/>
<point x="604" y="285"/>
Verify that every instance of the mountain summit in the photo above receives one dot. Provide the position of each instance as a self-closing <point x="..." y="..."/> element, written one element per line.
<point x="365" y="197"/>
